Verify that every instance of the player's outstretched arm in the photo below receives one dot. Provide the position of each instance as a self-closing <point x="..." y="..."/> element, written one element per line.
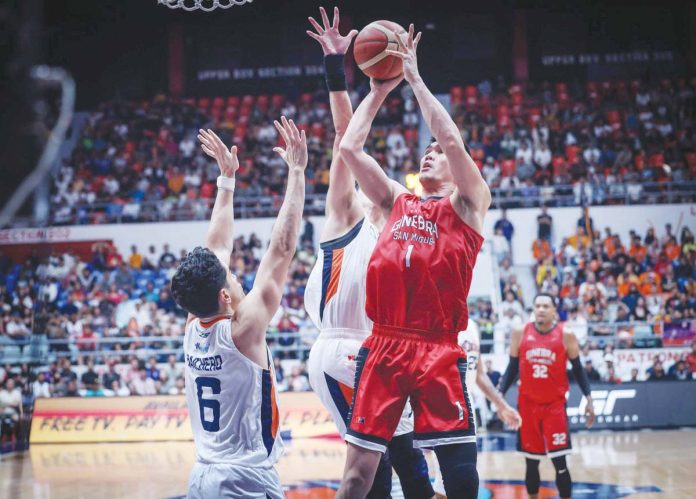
<point x="570" y="341"/>
<point x="473" y="192"/>
<point x="507" y="414"/>
<point x="255" y="311"/>
<point x="342" y="208"/>
<point x="513" y="367"/>
<point x="378" y="187"/>
<point x="220" y="238"/>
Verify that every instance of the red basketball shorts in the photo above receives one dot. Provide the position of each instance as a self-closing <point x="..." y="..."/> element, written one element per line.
<point x="395" y="364"/>
<point x="544" y="429"/>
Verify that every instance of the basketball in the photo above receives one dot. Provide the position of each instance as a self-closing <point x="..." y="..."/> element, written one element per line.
<point x="369" y="48"/>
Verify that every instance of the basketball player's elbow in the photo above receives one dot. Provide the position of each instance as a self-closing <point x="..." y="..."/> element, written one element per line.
<point x="349" y="148"/>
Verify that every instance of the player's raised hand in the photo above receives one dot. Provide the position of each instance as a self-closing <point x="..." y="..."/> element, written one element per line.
<point x="510" y="417"/>
<point x="385" y="86"/>
<point x="407" y="53"/>
<point x="216" y="149"/>
<point x="328" y="36"/>
<point x="295" y="152"/>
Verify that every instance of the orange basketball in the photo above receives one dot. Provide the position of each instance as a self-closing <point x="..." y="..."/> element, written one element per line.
<point x="369" y="48"/>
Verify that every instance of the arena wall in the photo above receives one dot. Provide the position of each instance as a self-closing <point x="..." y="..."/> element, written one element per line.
<point x="186" y="235"/>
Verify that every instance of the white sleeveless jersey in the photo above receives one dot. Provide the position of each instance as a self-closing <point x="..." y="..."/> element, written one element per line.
<point x="340" y="271"/>
<point x="470" y="341"/>
<point x="232" y="402"/>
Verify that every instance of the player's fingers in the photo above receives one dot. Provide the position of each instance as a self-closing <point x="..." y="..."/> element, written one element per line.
<point x="233" y="151"/>
<point x="325" y="18"/>
<point x="281" y="131"/>
<point x="394" y="52"/>
<point x="314" y="35"/>
<point x="303" y="137"/>
<point x="352" y="33"/>
<point x="336" y="18"/>
<point x="286" y="128"/>
<point x="399" y="40"/>
<point x="410" y="35"/>
<point x="416" y="40"/>
<point x="316" y="25"/>
<point x="295" y="131"/>
<point x="208" y="151"/>
<point x="216" y="141"/>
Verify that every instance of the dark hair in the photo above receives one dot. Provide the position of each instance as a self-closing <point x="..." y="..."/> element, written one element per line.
<point x="548" y="295"/>
<point x="197" y="282"/>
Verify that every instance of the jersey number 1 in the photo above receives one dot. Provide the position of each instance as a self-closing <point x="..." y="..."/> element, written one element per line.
<point x="213" y="405"/>
<point x="409" y="250"/>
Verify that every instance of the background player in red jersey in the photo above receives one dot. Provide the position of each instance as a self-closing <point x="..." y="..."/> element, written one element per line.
<point x="539" y="352"/>
<point x="417" y="285"/>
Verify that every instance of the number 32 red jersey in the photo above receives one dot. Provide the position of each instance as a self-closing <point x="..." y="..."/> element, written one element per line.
<point x="543" y="376"/>
<point x="420" y="271"/>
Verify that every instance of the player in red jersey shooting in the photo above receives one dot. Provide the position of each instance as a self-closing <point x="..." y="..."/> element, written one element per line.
<point x="539" y="352"/>
<point x="417" y="284"/>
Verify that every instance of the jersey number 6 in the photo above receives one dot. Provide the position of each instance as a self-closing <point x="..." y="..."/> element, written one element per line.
<point x="213" y="405"/>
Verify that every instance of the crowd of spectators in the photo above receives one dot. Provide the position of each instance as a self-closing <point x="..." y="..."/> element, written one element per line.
<point x="598" y="278"/>
<point x="139" y="161"/>
<point x="604" y="140"/>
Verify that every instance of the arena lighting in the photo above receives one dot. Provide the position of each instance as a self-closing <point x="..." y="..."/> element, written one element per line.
<point x="204" y="5"/>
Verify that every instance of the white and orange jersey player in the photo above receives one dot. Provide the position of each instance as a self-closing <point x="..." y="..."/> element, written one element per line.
<point x="230" y="392"/>
<point x="478" y="382"/>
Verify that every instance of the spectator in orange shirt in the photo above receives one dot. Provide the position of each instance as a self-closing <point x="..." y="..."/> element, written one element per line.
<point x="136" y="259"/>
<point x="541" y="250"/>
<point x="176" y="181"/>
<point x="672" y="249"/>
<point x="637" y="251"/>
<point x="650" y="278"/>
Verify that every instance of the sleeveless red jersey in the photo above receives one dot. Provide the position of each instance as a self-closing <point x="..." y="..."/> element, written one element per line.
<point x="543" y="376"/>
<point x="420" y="271"/>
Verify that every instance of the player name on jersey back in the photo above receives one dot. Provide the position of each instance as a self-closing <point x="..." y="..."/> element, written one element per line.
<point x="207" y="364"/>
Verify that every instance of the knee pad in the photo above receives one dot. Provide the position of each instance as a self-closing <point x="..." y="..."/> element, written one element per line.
<point x="381" y="486"/>
<point x="458" y="467"/>
<point x="563" y="480"/>
<point x="409" y="463"/>
<point x="531" y="476"/>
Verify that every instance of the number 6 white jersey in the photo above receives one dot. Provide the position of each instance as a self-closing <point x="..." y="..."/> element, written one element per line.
<point x="232" y="401"/>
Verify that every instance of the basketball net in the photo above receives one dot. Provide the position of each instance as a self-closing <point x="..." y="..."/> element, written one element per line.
<point x="204" y="5"/>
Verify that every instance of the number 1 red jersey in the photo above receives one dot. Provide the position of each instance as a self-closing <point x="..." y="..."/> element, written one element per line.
<point x="543" y="376"/>
<point x="420" y="271"/>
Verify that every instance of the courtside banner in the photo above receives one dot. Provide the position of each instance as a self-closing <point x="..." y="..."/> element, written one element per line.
<point x="632" y="406"/>
<point x="158" y="418"/>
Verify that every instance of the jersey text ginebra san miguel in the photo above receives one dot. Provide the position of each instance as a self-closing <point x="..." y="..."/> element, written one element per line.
<point x="543" y="376"/>
<point x="420" y="271"/>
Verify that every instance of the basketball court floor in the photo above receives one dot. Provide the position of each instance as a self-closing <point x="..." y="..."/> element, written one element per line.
<point x="645" y="464"/>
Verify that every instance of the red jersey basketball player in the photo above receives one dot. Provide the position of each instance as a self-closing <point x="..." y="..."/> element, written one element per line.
<point x="540" y="352"/>
<point x="418" y="279"/>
